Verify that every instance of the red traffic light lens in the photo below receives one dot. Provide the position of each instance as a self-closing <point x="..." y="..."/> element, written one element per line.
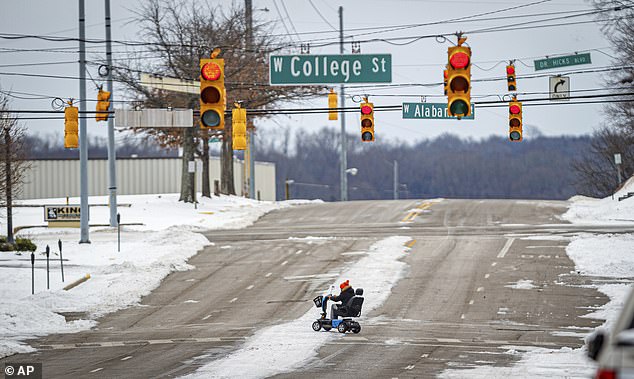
<point x="459" y="60"/>
<point x="366" y="109"/>
<point x="515" y="109"/>
<point x="510" y="70"/>
<point x="210" y="71"/>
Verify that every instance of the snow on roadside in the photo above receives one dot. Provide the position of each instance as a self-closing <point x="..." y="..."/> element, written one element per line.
<point x="523" y="284"/>
<point x="600" y="256"/>
<point x="149" y="252"/>
<point x="289" y="346"/>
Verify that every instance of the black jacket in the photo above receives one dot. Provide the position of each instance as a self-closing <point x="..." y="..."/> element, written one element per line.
<point x="345" y="295"/>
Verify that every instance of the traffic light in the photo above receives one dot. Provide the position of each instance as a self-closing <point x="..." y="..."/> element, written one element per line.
<point x="332" y="105"/>
<point x="459" y="80"/>
<point x="367" y="121"/>
<point x="213" y="100"/>
<point x="510" y="77"/>
<point x="515" y="120"/>
<point x="71" y="127"/>
<point x="445" y="74"/>
<point x="239" y="128"/>
<point x="103" y="103"/>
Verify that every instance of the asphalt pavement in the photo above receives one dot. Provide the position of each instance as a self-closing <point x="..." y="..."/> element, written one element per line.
<point x="454" y="307"/>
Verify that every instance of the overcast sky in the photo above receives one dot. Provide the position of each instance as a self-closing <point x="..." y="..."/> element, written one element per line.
<point x="421" y="61"/>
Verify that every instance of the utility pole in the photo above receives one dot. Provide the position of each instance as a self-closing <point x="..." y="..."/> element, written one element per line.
<point x="248" y="14"/>
<point x="395" y="180"/>
<point x="112" y="154"/>
<point x="342" y="102"/>
<point x="8" y="183"/>
<point x="83" y="138"/>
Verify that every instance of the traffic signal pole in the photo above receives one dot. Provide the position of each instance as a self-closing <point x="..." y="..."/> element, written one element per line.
<point x="344" y="155"/>
<point x="248" y="11"/>
<point x="112" y="155"/>
<point x="83" y="138"/>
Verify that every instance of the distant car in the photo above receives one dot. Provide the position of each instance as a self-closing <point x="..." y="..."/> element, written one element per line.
<point x="614" y="350"/>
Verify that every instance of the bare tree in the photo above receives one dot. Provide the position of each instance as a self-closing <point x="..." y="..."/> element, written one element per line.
<point x="596" y="171"/>
<point x="12" y="154"/>
<point x="178" y="34"/>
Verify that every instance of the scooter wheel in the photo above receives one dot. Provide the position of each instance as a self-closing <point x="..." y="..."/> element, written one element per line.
<point x="356" y="329"/>
<point x="327" y="328"/>
<point x="342" y="328"/>
<point x="316" y="326"/>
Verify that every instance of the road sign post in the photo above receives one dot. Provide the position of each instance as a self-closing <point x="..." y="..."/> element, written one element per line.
<point x="330" y="69"/>
<point x="431" y="111"/>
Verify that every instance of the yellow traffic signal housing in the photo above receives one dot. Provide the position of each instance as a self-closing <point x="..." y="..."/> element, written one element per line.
<point x="515" y="120"/>
<point x="71" y="127"/>
<point x="510" y="77"/>
<point x="239" y="128"/>
<point x="103" y="104"/>
<point x="332" y="105"/>
<point x="367" y="121"/>
<point x="459" y="81"/>
<point x="213" y="101"/>
<point x="445" y="76"/>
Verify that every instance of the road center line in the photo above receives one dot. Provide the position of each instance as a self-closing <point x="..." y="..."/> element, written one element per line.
<point x="506" y="247"/>
<point x="126" y="358"/>
<point x="97" y="369"/>
<point x="233" y="300"/>
<point x="284" y="263"/>
<point x="269" y="274"/>
<point x="250" y="287"/>
<point x="206" y="317"/>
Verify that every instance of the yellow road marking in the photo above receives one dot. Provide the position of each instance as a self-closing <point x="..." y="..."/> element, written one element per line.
<point x="206" y="213"/>
<point x="410" y="243"/>
<point x="412" y="215"/>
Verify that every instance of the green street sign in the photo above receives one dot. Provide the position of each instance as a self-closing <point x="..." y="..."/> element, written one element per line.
<point x="431" y="111"/>
<point x="570" y="60"/>
<point x="214" y="140"/>
<point x="330" y="69"/>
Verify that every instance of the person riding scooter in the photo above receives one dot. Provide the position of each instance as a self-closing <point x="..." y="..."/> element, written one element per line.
<point x="347" y="293"/>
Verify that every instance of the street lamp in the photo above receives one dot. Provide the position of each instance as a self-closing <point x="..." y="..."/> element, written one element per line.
<point x="352" y="171"/>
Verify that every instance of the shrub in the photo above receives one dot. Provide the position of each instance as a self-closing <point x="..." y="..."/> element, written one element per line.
<point x="21" y="244"/>
<point x="24" y="244"/>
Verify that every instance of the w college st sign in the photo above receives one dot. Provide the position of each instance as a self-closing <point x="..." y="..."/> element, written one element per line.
<point x="330" y="69"/>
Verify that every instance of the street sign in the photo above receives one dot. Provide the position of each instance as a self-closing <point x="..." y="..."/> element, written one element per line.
<point x="431" y="111"/>
<point x="570" y="60"/>
<point x="170" y="84"/>
<point x="330" y="69"/>
<point x="559" y="88"/>
<point x="154" y="118"/>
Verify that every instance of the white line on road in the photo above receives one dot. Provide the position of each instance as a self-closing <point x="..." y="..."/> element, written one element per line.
<point x="448" y="340"/>
<point x="206" y="317"/>
<point x="486" y="276"/>
<point x="424" y="356"/>
<point x="233" y="300"/>
<point x="97" y="369"/>
<point x="480" y="289"/>
<point x="284" y="263"/>
<point x="269" y="274"/>
<point x="506" y="247"/>
<point x="494" y="264"/>
<point x="126" y="358"/>
<point x="250" y="287"/>
<point x="298" y="252"/>
<point x="410" y="367"/>
<point x="471" y="302"/>
<point x="462" y="316"/>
